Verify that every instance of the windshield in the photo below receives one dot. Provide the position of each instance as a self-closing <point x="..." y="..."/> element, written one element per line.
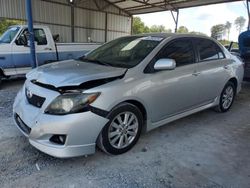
<point x="8" y="35"/>
<point x="124" y="52"/>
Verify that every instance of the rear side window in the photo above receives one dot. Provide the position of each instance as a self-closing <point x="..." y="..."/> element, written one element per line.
<point x="40" y="37"/>
<point x="208" y="50"/>
<point x="180" y="50"/>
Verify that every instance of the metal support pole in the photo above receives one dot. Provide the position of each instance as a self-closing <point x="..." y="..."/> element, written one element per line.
<point x="72" y="23"/>
<point x="106" y="27"/>
<point x="176" y="19"/>
<point x="248" y="13"/>
<point x="132" y="22"/>
<point x="31" y="34"/>
<point x="176" y="22"/>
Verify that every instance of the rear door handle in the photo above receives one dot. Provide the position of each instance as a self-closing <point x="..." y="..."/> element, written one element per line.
<point x="196" y="73"/>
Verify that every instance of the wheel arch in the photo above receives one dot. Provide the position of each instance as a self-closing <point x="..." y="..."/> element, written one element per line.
<point x="139" y="105"/>
<point x="234" y="81"/>
<point x="143" y="110"/>
<point x="2" y="73"/>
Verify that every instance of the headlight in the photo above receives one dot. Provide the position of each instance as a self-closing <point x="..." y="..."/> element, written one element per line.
<point x="69" y="103"/>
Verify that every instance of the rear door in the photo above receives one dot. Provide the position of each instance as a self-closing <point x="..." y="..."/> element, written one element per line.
<point x="212" y="70"/>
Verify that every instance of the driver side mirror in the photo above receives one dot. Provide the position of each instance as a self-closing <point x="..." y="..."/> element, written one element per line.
<point x="22" y="40"/>
<point x="165" y="64"/>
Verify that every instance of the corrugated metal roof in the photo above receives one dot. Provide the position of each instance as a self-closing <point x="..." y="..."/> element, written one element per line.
<point x="147" y="6"/>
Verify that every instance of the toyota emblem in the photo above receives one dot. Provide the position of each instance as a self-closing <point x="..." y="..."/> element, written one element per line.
<point x="29" y="94"/>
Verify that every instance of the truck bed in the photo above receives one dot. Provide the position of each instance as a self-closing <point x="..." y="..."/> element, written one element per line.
<point x="74" y="50"/>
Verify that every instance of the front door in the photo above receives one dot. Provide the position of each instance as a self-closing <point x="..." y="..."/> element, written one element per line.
<point x="174" y="91"/>
<point x="21" y="53"/>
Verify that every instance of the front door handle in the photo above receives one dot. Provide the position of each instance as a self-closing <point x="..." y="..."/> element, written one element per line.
<point x="196" y="73"/>
<point x="226" y="67"/>
<point x="48" y="49"/>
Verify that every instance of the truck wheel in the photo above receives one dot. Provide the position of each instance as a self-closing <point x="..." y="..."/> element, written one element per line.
<point x="122" y="131"/>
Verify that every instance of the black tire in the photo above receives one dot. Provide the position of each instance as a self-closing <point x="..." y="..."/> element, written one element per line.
<point x="221" y="108"/>
<point x="104" y="142"/>
<point x="0" y="81"/>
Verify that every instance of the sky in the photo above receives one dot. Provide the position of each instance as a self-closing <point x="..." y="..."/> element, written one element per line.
<point x="201" y="19"/>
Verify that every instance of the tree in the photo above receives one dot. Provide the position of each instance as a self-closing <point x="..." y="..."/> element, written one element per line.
<point x="197" y="33"/>
<point x="138" y="26"/>
<point x="182" y="29"/>
<point x="157" y="29"/>
<point x="217" y="31"/>
<point x="240" y="23"/>
<point x="168" y="30"/>
<point x="228" y="26"/>
<point x="5" y="23"/>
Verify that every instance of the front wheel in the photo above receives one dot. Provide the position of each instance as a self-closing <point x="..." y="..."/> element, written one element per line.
<point x="122" y="131"/>
<point x="227" y="97"/>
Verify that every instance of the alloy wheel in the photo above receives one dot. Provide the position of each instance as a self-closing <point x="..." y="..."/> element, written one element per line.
<point x="123" y="130"/>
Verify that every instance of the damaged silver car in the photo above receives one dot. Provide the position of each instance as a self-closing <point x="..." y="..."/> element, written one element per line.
<point x="126" y="86"/>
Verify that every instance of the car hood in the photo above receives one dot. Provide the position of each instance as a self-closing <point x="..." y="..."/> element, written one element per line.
<point x="72" y="73"/>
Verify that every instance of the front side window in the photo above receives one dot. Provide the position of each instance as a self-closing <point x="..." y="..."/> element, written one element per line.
<point x="208" y="50"/>
<point x="39" y="36"/>
<point x="180" y="50"/>
<point x="124" y="52"/>
<point x="9" y="35"/>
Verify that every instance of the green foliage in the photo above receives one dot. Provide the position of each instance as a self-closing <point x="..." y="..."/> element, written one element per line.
<point x="159" y="29"/>
<point x="240" y="23"/>
<point x="217" y="31"/>
<point x="197" y="33"/>
<point x="140" y="27"/>
<point x="227" y="43"/>
<point x="5" y="23"/>
<point x="182" y="29"/>
<point x="228" y="26"/>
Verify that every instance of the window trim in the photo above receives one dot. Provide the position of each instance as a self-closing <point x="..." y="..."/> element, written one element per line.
<point x="150" y="67"/>
<point x="218" y="50"/>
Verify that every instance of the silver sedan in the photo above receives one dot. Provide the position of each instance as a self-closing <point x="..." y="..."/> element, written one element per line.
<point x="126" y="86"/>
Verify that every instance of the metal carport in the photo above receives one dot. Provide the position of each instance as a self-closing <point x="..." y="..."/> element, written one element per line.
<point x="129" y="7"/>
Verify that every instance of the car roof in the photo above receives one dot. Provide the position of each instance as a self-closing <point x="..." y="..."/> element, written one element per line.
<point x="167" y="35"/>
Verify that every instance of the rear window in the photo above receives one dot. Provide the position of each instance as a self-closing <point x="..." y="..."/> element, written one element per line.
<point x="208" y="50"/>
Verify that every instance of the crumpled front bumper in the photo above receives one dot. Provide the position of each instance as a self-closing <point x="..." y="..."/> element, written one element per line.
<point x="81" y="129"/>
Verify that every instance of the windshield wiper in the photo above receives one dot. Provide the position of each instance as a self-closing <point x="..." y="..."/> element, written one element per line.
<point x="94" y="61"/>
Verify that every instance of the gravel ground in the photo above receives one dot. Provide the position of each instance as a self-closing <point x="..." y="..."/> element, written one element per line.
<point x="207" y="149"/>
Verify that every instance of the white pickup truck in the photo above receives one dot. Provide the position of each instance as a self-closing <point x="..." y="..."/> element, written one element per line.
<point x="15" y="51"/>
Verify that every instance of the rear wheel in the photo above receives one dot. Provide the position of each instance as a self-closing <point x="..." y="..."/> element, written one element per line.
<point x="227" y="97"/>
<point x="1" y="81"/>
<point x="123" y="130"/>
